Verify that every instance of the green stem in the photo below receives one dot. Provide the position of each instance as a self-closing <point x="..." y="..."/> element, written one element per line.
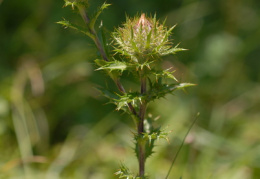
<point x="140" y="128"/>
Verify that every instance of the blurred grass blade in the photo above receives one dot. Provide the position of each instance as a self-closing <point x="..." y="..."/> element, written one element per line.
<point x="174" y="159"/>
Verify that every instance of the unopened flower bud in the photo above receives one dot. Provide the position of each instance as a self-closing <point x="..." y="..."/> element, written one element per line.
<point x="142" y="39"/>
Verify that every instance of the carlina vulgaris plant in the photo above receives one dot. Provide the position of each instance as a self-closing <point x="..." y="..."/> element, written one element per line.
<point x="138" y="46"/>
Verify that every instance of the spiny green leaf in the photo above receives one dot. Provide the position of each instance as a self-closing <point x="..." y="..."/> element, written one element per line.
<point x="148" y="149"/>
<point x="125" y="173"/>
<point x="109" y="94"/>
<point x="181" y="86"/>
<point x="122" y="52"/>
<point x="113" y="68"/>
<point x="159" y="89"/>
<point x="96" y="15"/>
<point x="100" y="62"/>
<point x="67" y="24"/>
<point x="165" y="74"/>
<point x="149" y="139"/>
<point x="155" y="135"/>
<point x="173" y="50"/>
<point x="132" y="98"/>
<point x="122" y="101"/>
<point x="113" y="65"/>
<point x="142" y="65"/>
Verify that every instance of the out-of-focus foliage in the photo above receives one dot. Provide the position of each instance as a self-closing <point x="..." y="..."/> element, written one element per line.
<point x="54" y="124"/>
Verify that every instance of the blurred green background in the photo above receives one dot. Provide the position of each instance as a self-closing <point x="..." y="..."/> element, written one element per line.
<point x="55" y="124"/>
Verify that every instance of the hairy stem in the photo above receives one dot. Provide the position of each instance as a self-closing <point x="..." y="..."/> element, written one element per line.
<point x="140" y="128"/>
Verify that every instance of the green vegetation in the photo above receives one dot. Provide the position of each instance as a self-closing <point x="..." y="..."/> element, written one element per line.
<point x="53" y="121"/>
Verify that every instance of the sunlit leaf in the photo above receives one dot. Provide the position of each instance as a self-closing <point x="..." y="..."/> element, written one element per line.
<point x="112" y="65"/>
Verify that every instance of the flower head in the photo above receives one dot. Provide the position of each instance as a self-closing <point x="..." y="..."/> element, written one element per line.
<point x="143" y="38"/>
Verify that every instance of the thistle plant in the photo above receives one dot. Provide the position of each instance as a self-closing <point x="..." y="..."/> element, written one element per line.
<point x="138" y="46"/>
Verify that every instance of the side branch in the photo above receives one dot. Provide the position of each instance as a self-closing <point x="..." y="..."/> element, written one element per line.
<point x="98" y="44"/>
<point x="86" y="19"/>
